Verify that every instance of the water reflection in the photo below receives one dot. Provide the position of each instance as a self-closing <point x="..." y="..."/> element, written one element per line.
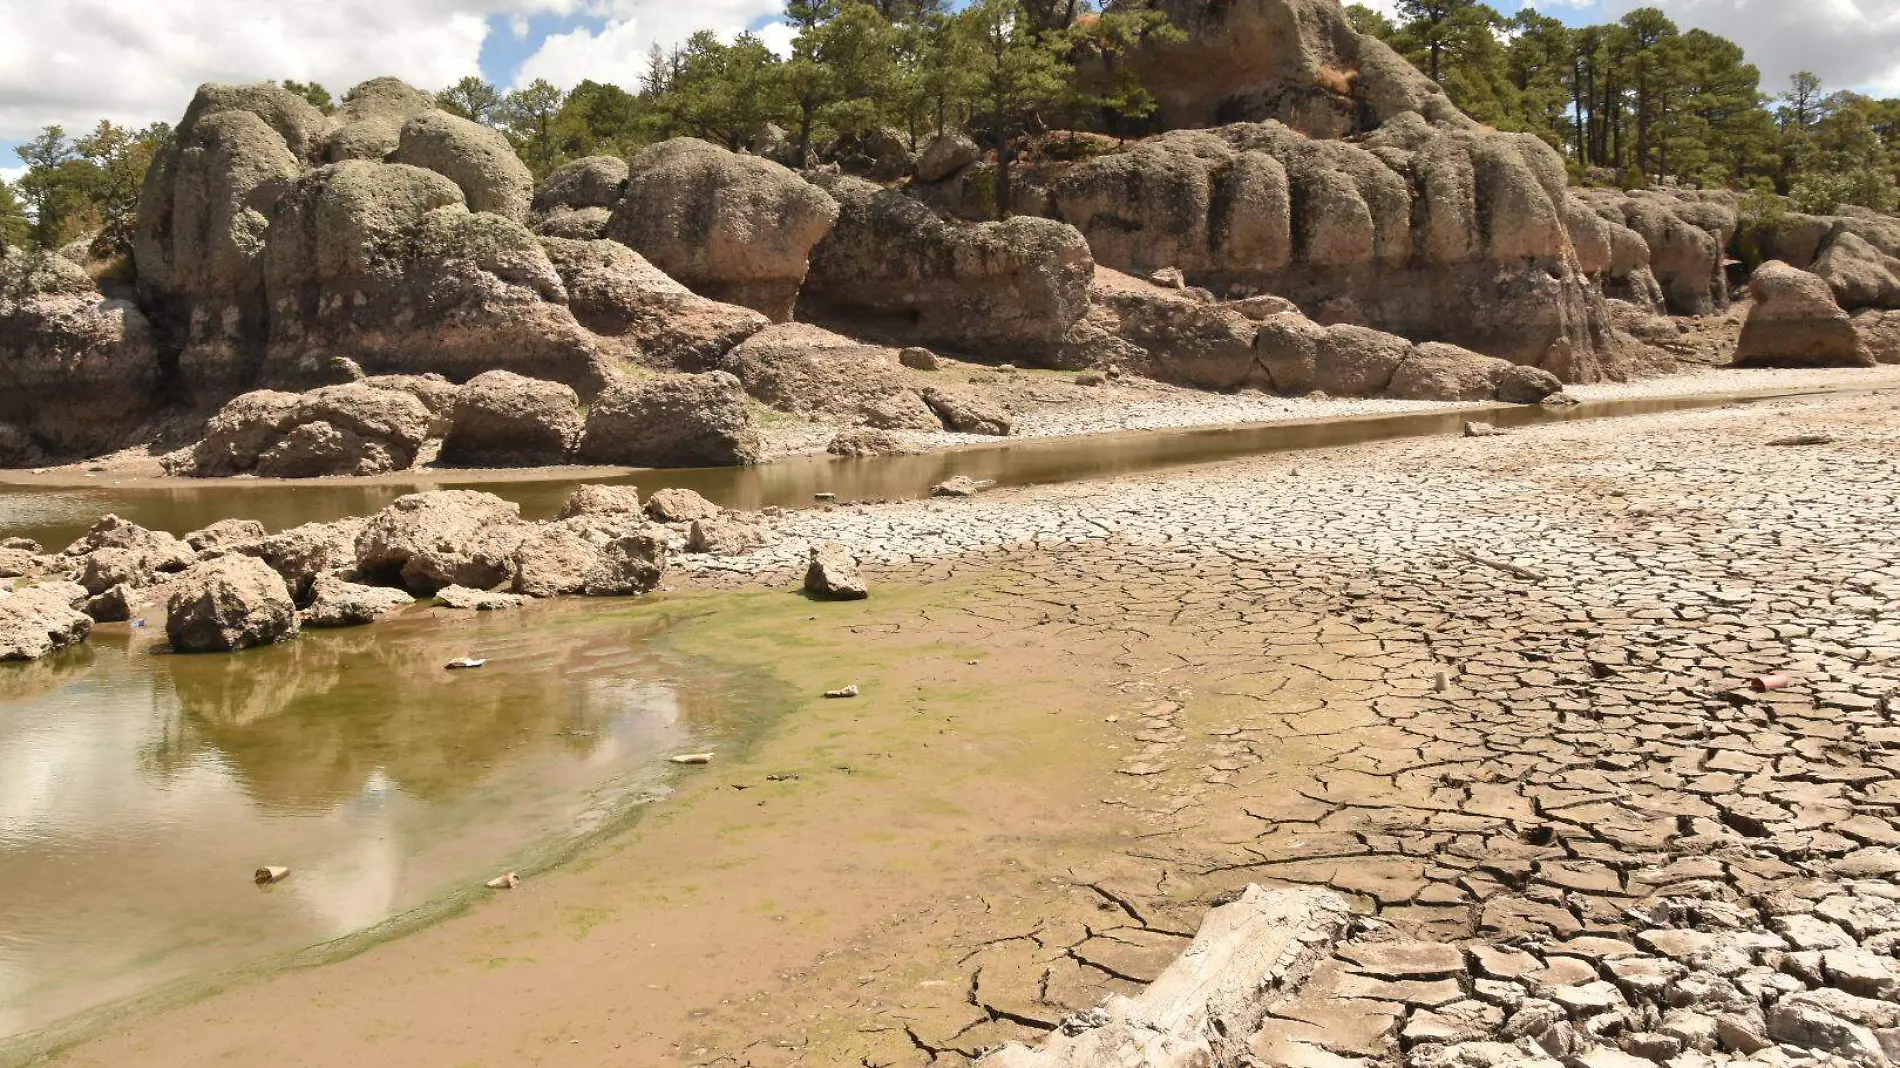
<point x="138" y="790"/>
<point x="55" y="518"/>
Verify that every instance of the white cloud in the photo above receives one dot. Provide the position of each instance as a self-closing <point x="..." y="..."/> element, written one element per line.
<point x="616" y="51"/>
<point x="74" y="61"/>
<point x="1849" y="43"/>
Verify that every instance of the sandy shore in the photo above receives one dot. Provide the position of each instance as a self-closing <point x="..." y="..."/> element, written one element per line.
<point x="1493" y="690"/>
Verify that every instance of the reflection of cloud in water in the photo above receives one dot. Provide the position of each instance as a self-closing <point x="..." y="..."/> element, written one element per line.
<point x="357" y="886"/>
<point x="68" y="767"/>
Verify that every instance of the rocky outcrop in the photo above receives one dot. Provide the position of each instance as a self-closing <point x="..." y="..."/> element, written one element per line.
<point x="226" y="604"/>
<point x="892" y="268"/>
<point x="40" y="620"/>
<point x="78" y="370"/>
<point x="859" y="442"/>
<point x="812" y="372"/>
<point x="672" y="421"/>
<point x="1429" y="232"/>
<point x="354" y="429"/>
<point x="616" y="293"/>
<point x="337" y="602"/>
<point x="738" y="229"/>
<point x="1295" y="61"/>
<point x="273" y="240"/>
<point x="1858" y="272"/>
<point x="723" y="536"/>
<point x="426" y="541"/>
<point x="161" y="551"/>
<point x="589" y="182"/>
<point x="1794" y="322"/>
<point x="1687" y="238"/>
<point x="503" y="419"/>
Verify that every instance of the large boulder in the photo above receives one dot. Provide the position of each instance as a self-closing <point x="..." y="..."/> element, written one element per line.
<point x="738" y="229"/>
<point x="1301" y="356"/>
<point x="230" y="603"/>
<point x="1879" y="334"/>
<point x="1686" y="239"/>
<point x="594" y="556"/>
<point x="1795" y="322"/>
<point x="672" y="421"/>
<point x="812" y="372"/>
<point x="945" y="155"/>
<point x="1175" y="337"/>
<point x="159" y="550"/>
<point x="370" y="122"/>
<point x="893" y="267"/>
<point x="616" y="293"/>
<point x="503" y="419"/>
<point x="589" y="182"/>
<point x="426" y="541"/>
<point x="1439" y="372"/>
<point x="305" y="553"/>
<point x="832" y="574"/>
<point x="39" y="620"/>
<point x="78" y="371"/>
<point x="968" y="413"/>
<point x="1859" y="273"/>
<point x="474" y="157"/>
<point x="383" y="263"/>
<point x="352" y="429"/>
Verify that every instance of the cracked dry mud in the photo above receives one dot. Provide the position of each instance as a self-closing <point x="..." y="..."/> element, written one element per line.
<point x="1497" y="692"/>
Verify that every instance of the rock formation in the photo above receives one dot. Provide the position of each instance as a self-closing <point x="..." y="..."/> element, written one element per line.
<point x="353" y="429"/>
<point x="226" y="604"/>
<point x="672" y="421"/>
<point x="1795" y="322"/>
<point x="274" y="240"/>
<point x="615" y="292"/>
<point x="734" y="228"/>
<point x="426" y="541"/>
<point x="40" y="620"/>
<point x="813" y="372"/>
<point x="892" y="268"/>
<point x="78" y="370"/>
<point x="505" y="420"/>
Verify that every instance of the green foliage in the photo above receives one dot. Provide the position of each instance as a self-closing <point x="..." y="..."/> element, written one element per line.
<point x="472" y="98"/>
<point x="318" y="96"/>
<point x="73" y="188"/>
<point x="15" y="227"/>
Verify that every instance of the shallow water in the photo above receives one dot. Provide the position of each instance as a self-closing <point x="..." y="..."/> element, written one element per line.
<point x="138" y="790"/>
<point x="56" y="517"/>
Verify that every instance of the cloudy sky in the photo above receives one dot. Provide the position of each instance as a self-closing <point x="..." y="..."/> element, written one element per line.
<point x="73" y="62"/>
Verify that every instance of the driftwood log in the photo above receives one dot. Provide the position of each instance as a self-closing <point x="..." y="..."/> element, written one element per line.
<point x="1207" y="1005"/>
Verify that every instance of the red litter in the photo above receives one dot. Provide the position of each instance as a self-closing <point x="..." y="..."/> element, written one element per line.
<point x="1764" y="683"/>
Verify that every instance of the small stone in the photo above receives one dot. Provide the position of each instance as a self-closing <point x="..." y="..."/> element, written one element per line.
<point x="919" y="359"/>
<point x="846" y="692"/>
<point x="832" y="574"/>
<point x="469" y="600"/>
<point x="1478" y="429"/>
<point x="960" y="486"/>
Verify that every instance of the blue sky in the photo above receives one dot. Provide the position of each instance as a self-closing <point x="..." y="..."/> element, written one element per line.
<point x="158" y="51"/>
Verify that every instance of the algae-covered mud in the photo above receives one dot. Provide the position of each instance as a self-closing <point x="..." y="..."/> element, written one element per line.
<point x="139" y="790"/>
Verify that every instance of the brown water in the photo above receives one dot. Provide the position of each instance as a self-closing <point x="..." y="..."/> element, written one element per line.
<point x="138" y="791"/>
<point x="56" y="517"/>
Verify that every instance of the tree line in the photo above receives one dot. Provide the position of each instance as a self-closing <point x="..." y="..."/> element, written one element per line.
<point x="1634" y="102"/>
<point x="1641" y="101"/>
